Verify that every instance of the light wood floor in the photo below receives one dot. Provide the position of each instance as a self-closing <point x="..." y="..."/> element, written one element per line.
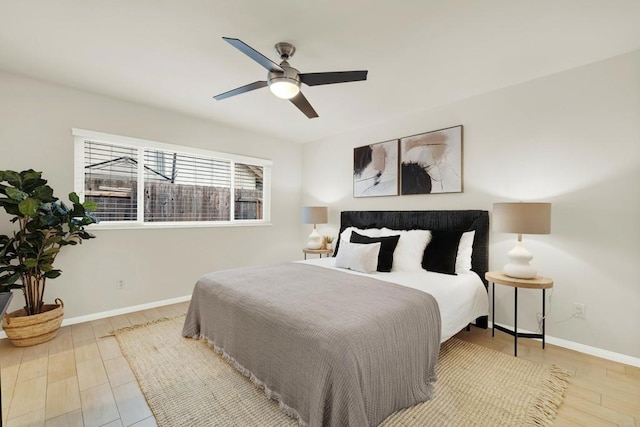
<point x="81" y="379"/>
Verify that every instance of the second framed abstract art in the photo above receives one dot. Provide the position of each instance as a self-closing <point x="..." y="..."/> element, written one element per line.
<point x="431" y="162"/>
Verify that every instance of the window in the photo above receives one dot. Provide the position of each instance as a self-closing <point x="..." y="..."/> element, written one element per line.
<point x="144" y="183"/>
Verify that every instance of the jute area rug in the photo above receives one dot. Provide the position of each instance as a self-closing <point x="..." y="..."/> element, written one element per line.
<point x="187" y="384"/>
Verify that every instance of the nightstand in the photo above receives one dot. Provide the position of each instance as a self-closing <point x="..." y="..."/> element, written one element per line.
<point x="320" y="252"/>
<point x="535" y="283"/>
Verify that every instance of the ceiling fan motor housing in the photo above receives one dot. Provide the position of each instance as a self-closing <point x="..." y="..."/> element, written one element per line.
<point x="289" y="76"/>
<point x="285" y="51"/>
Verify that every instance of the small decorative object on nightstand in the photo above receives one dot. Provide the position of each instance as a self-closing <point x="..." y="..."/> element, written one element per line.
<point x="329" y="242"/>
<point x="320" y="252"/>
<point x="533" y="283"/>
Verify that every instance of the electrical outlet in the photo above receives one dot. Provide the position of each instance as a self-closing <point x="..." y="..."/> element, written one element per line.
<point x="578" y="310"/>
<point x="120" y="284"/>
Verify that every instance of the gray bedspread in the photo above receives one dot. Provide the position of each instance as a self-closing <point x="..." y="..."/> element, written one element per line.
<point x="334" y="348"/>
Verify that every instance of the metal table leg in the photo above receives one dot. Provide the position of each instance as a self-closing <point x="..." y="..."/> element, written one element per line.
<point x="515" y="324"/>
<point x="543" y="317"/>
<point x="493" y="309"/>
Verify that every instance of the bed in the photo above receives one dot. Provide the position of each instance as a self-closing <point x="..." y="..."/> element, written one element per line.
<point x="337" y="347"/>
<point x="443" y="220"/>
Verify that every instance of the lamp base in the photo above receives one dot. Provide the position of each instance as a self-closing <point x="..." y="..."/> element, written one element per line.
<point x="518" y="265"/>
<point x="314" y="241"/>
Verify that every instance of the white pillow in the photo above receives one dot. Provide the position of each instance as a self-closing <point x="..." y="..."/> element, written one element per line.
<point x="410" y="250"/>
<point x="358" y="256"/>
<point x="345" y="236"/>
<point x="465" y="249"/>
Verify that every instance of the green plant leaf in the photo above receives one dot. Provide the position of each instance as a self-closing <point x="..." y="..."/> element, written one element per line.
<point x="59" y="208"/>
<point x="86" y="235"/>
<point x="6" y="245"/>
<point x="45" y="266"/>
<point x="29" y="207"/>
<point x="90" y="206"/>
<point x="13" y="178"/>
<point x="30" y="174"/>
<point x="54" y="240"/>
<point x="30" y="262"/>
<point x="31" y="180"/>
<point x="78" y="211"/>
<point x="73" y="239"/>
<point x="52" y="274"/>
<point x="10" y="279"/>
<point x="51" y="251"/>
<point x="44" y="193"/>
<point x="48" y="221"/>
<point x="16" y="194"/>
<point x="11" y="208"/>
<point x="8" y="288"/>
<point x="8" y="269"/>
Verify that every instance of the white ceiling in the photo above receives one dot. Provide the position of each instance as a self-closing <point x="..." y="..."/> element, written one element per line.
<point x="420" y="54"/>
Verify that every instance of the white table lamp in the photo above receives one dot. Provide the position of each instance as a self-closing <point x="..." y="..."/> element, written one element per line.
<point x="521" y="218"/>
<point x="314" y="215"/>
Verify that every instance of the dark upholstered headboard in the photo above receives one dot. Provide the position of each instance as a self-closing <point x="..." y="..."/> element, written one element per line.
<point x="429" y="220"/>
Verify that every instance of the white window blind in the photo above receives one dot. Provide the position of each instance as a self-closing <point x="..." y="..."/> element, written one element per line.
<point x="138" y="182"/>
<point x="248" y="191"/>
<point x="182" y="187"/>
<point x="110" y="179"/>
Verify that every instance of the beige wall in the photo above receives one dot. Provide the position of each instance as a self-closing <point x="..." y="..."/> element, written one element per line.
<point x="35" y="132"/>
<point x="572" y="139"/>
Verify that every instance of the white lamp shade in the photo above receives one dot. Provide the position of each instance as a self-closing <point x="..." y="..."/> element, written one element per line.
<point x="522" y="218"/>
<point x="315" y="215"/>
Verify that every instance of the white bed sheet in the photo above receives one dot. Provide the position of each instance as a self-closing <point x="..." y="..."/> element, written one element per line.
<point x="461" y="298"/>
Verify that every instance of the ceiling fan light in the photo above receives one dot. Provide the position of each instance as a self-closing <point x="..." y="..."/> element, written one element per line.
<point x="285" y="89"/>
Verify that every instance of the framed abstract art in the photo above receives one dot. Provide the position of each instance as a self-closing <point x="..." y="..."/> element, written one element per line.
<point x="431" y="162"/>
<point x="375" y="169"/>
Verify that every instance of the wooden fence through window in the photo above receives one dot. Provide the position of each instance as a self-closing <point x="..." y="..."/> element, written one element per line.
<point x="164" y="201"/>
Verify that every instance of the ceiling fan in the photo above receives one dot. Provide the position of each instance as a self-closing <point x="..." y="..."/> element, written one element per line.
<point x="284" y="80"/>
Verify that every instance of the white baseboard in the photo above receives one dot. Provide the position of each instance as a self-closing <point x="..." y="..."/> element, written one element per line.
<point x="595" y="351"/>
<point x="583" y="348"/>
<point x="118" y="311"/>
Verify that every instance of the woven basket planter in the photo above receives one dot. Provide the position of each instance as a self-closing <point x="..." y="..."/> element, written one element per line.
<point x="24" y="331"/>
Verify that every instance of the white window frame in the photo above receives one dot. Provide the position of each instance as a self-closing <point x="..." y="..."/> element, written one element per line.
<point x="81" y="135"/>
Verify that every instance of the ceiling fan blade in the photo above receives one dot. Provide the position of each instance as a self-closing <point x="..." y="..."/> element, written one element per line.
<point x="237" y="91"/>
<point x="315" y="79"/>
<point x="254" y="54"/>
<point x="303" y="105"/>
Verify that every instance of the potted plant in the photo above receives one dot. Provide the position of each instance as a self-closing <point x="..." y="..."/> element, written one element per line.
<point x="329" y="242"/>
<point x="45" y="226"/>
